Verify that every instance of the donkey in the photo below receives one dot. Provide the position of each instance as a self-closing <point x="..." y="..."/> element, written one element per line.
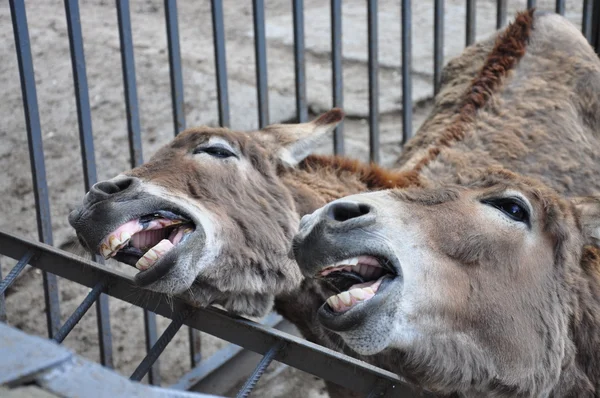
<point x="211" y="215"/>
<point x="488" y="280"/>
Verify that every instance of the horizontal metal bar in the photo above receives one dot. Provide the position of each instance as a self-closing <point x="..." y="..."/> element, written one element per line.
<point x="260" y="370"/>
<point x="160" y="345"/>
<point x="220" y="62"/>
<point x="337" y="72"/>
<point x="299" y="61"/>
<point x="14" y="272"/>
<point x="36" y="154"/>
<point x="175" y="66"/>
<point x="373" y="66"/>
<point x="301" y="354"/>
<point x="260" y="53"/>
<point x="81" y="310"/>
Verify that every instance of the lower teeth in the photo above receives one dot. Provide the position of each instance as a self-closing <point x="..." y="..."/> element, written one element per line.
<point x="153" y="254"/>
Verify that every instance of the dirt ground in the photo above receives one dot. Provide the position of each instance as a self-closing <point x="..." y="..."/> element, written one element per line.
<point x="50" y="50"/>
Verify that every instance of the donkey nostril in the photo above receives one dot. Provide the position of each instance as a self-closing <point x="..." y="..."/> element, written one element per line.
<point x="105" y="189"/>
<point x="345" y="211"/>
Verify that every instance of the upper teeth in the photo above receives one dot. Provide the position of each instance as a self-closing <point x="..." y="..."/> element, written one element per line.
<point x="363" y="265"/>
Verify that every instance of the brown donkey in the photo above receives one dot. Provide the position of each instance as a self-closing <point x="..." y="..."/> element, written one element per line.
<point x="211" y="215"/>
<point x="488" y="281"/>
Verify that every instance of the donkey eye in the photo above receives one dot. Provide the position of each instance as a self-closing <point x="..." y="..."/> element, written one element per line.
<point x="215" y="151"/>
<point x="512" y="207"/>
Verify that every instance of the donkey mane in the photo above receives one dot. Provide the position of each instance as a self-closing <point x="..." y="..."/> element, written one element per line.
<point x="374" y="176"/>
<point x="508" y="49"/>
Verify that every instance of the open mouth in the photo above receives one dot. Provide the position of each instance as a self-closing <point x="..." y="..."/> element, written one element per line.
<point x="142" y="242"/>
<point x="358" y="279"/>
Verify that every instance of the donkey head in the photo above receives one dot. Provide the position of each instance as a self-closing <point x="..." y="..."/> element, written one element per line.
<point x="206" y="215"/>
<point x="467" y="288"/>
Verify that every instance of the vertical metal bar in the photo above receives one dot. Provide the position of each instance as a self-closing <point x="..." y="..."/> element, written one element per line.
<point x="373" y="81"/>
<point x="157" y="349"/>
<point x="177" y="102"/>
<point x="220" y="61"/>
<point x="86" y="140"/>
<point x="299" y="62"/>
<point x="128" y="66"/>
<point x="260" y="370"/>
<point x="260" y="53"/>
<point x="195" y="346"/>
<point x="36" y="154"/>
<point x="135" y="140"/>
<point x="500" y="13"/>
<point x="406" y="71"/>
<point x="470" y="22"/>
<point x="560" y="7"/>
<point x="438" y="44"/>
<point x="336" y="71"/>
<point x="2" y="300"/>
<point x="531" y="3"/>
<point x="586" y="22"/>
<point x="175" y="66"/>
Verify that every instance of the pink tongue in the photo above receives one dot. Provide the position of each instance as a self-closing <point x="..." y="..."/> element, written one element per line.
<point x="132" y="227"/>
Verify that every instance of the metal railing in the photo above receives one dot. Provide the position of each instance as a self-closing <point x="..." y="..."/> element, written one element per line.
<point x="273" y="344"/>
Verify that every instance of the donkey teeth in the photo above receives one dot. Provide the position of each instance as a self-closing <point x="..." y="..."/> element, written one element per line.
<point x="333" y="302"/>
<point x="105" y="251"/>
<point x="345" y="297"/>
<point x="358" y="294"/>
<point x="153" y="254"/>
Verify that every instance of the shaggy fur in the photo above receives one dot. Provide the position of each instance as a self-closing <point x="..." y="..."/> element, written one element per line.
<point x="526" y="102"/>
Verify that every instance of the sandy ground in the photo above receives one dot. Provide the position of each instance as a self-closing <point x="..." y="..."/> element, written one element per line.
<point x="50" y="51"/>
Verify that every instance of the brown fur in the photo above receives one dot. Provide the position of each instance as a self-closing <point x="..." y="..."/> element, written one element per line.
<point x="508" y="50"/>
<point x="535" y="113"/>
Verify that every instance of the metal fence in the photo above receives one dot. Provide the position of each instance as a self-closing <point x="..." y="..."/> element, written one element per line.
<point x="260" y="338"/>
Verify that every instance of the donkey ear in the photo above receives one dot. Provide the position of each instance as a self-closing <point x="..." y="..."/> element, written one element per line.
<point x="296" y="141"/>
<point x="588" y="209"/>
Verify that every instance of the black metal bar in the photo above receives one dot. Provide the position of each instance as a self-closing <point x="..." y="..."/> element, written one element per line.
<point x="406" y="71"/>
<point x="586" y="20"/>
<point x="560" y="7"/>
<point x="220" y="62"/>
<point x="471" y="12"/>
<point x="500" y="13"/>
<point x="151" y="335"/>
<point x="336" y="71"/>
<point x="2" y="300"/>
<point x="195" y="347"/>
<point x="438" y="44"/>
<point x="128" y="66"/>
<point x="36" y="154"/>
<point x="135" y="140"/>
<point x="373" y="81"/>
<point x="79" y="312"/>
<point x="14" y="272"/>
<point x="260" y="53"/>
<point x="86" y="140"/>
<point x="299" y="353"/>
<point x="299" y="62"/>
<point x="531" y="3"/>
<point x="178" y="103"/>
<point x="260" y="370"/>
<point x="160" y="345"/>
<point x="177" y="100"/>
